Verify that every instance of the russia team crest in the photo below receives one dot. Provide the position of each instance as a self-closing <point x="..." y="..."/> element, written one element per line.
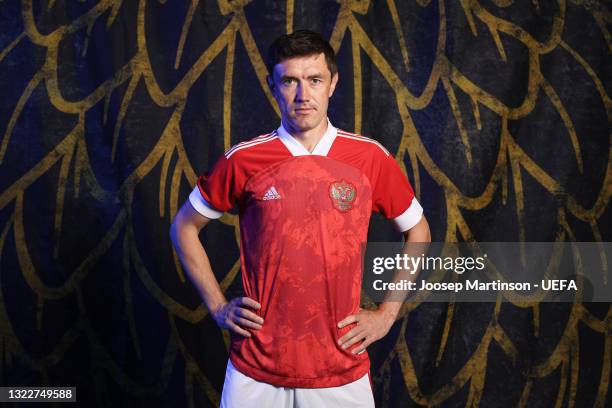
<point x="342" y="194"/>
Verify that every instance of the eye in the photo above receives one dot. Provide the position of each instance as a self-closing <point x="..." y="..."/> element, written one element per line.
<point x="288" y="81"/>
<point x="316" y="80"/>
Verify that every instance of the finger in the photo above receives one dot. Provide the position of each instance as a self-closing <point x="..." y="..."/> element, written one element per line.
<point x="247" y="314"/>
<point x="347" y="320"/>
<point x="352" y="341"/>
<point x="356" y="338"/>
<point x="239" y="330"/>
<point x="247" y="301"/>
<point x="362" y="347"/>
<point x="353" y="332"/>
<point x="247" y="323"/>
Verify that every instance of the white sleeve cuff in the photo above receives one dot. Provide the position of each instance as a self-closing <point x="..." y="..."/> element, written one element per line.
<point x="410" y="217"/>
<point x="202" y="206"/>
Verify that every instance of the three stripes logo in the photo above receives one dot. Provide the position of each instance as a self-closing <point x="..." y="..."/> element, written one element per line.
<point x="271" y="194"/>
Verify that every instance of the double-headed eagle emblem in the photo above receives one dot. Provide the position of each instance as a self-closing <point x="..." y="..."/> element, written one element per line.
<point x="342" y="194"/>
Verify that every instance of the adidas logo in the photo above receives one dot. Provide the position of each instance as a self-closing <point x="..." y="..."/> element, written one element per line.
<point x="271" y="194"/>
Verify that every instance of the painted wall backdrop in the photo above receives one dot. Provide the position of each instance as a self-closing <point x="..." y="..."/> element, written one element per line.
<point x="499" y="111"/>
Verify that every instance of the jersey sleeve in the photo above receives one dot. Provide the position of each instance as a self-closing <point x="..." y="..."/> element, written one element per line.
<point x="217" y="191"/>
<point x="393" y="195"/>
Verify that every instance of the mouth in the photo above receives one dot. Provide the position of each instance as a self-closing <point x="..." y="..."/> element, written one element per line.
<point x="303" y="111"/>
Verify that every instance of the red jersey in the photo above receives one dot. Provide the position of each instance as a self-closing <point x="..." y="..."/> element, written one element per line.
<point x="303" y="219"/>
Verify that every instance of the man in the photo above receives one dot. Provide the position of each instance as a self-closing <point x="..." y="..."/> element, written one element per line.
<point x="305" y="193"/>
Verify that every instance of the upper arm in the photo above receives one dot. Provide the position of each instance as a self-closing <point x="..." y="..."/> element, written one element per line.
<point x="220" y="189"/>
<point x="419" y="232"/>
<point x="188" y="217"/>
<point x="392" y="195"/>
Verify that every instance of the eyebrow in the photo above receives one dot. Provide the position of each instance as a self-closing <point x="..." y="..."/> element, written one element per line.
<point x="308" y="77"/>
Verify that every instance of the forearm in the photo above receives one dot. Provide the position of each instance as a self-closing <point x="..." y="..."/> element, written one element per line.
<point x="373" y="325"/>
<point x="416" y="242"/>
<point x="196" y="264"/>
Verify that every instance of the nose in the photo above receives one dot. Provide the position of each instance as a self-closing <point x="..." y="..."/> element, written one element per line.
<point x="303" y="93"/>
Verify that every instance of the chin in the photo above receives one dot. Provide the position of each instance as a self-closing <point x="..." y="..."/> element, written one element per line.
<point x="307" y="123"/>
<point x="303" y="125"/>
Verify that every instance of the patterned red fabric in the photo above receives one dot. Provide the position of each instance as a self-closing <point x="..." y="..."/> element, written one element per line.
<point x="303" y="220"/>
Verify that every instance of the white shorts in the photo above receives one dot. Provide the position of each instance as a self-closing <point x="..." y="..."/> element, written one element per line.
<point x="240" y="391"/>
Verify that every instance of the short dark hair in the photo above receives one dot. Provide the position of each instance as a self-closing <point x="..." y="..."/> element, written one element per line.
<point x="300" y="43"/>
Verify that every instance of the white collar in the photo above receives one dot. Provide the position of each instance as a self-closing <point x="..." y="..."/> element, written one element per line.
<point x="297" y="149"/>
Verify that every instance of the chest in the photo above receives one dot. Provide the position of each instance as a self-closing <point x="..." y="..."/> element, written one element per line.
<point x="313" y="188"/>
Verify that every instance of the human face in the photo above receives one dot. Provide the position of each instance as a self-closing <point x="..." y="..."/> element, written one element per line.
<point x="302" y="87"/>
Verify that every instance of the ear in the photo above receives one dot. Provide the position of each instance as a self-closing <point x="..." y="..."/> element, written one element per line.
<point x="332" y="87"/>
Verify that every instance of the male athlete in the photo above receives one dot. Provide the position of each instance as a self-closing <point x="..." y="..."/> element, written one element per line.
<point x="305" y="193"/>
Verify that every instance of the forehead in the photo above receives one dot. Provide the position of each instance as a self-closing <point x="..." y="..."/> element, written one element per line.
<point x="302" y="66"/>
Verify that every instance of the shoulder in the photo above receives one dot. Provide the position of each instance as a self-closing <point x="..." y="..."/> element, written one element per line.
<point x="356" y="141"/>
<point x="253" y="145"/>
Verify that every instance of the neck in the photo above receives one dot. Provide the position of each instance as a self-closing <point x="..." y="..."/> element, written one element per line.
<point x="308" y="138"/>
